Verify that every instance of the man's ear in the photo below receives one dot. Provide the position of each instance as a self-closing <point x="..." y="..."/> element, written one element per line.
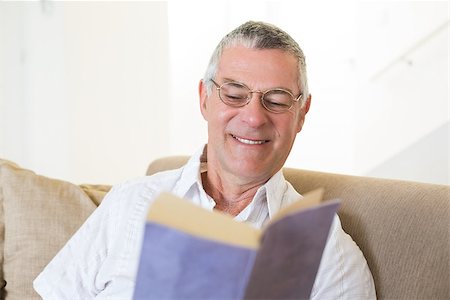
<point x="203" y="97"/>
<point x="307" y="104"/>
<point x="303" y="111"/>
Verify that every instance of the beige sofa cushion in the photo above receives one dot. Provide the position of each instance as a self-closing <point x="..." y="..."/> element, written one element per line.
<point x="402" y="227"/>
<point x="35" y="223"/>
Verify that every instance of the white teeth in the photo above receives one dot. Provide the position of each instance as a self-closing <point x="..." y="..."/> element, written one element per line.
<point x="249" y="142"/>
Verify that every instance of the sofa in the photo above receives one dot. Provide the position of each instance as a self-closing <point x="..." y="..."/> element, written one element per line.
<point x="401" y="227"/>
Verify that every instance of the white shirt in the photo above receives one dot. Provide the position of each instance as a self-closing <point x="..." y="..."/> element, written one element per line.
<point x="100" y="261"/>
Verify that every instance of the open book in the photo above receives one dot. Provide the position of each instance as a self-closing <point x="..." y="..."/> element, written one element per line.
<point x="191" y="253"/>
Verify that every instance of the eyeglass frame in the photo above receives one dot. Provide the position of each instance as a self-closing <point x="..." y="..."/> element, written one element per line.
<point x="249" y="98"/>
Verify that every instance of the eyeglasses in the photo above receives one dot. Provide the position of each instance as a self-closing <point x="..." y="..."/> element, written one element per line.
<point x="237" y="94"/>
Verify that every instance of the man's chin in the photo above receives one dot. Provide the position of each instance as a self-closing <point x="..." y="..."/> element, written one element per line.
<point x="252" y="171"/>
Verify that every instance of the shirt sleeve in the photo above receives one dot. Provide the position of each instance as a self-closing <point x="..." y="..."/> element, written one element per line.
<point x="72" y="273"/>
<point x="343" y="271"/>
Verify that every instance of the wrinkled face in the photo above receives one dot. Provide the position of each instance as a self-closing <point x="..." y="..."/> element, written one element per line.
<point x="250" y="142"/>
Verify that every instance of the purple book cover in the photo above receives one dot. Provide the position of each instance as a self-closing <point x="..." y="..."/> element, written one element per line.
<point x="177" y="265"/>
<point x="291" y="249"/>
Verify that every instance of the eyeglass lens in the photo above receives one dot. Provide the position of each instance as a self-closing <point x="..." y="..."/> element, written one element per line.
<point x="236" y="94"/>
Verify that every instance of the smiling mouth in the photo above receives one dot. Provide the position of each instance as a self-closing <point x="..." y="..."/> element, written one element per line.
<point x="249" y="142"/>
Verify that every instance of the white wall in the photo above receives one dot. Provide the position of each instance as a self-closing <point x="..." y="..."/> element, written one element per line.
<point x="403" y="86"/>
<point x="92" y="91"/>
<point x="88" y="97"/>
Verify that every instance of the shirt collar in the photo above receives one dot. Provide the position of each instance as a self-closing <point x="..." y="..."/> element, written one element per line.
<point x="191" y="173"/>
<point x="275" y="190"/>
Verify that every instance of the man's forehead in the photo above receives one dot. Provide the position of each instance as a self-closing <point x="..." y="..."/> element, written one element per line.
<point x="273" y="66"/>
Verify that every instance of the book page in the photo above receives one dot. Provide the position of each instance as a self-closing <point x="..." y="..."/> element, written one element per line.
<point x="185" y="216"/>
<point x="309" y="199"/>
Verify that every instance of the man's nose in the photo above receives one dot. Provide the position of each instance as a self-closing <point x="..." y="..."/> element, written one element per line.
<point x="254" y="113"/>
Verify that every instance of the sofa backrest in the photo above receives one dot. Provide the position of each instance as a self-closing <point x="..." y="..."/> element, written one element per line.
<point x="401" y="227"/>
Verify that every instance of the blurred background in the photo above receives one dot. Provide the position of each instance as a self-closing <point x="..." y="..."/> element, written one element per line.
<point x="91" y="92"/>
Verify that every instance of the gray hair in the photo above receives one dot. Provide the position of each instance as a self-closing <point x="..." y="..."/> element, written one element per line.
<point x="259" y="35"/>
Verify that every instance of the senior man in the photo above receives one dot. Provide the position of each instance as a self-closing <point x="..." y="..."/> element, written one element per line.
<point x="254" y="97"/>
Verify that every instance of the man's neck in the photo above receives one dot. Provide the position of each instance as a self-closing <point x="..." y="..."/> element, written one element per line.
<point x="229" y="198"/>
